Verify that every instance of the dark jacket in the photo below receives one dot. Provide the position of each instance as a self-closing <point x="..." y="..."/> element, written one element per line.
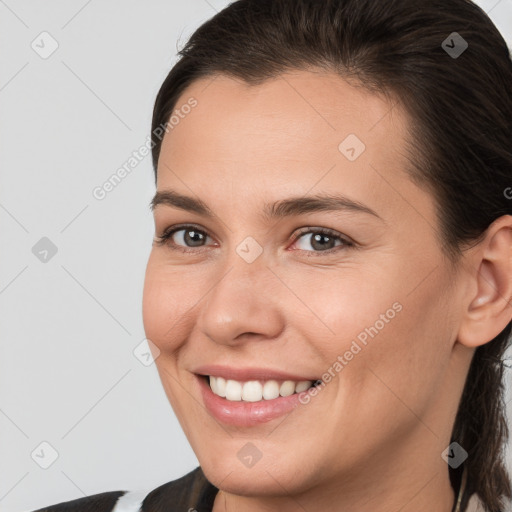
<point x="189" y="493"/>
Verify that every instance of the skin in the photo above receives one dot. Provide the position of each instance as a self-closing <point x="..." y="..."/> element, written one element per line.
<point x="372" y="438"/>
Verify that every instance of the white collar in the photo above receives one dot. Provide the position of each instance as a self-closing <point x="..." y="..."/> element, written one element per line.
<point x="461" y="490"/>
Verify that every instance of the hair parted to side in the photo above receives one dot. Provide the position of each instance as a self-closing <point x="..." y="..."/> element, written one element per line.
<point x="460" y="145"/>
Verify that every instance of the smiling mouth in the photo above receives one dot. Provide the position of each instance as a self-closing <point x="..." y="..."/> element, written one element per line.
<point x="256" y="390"/>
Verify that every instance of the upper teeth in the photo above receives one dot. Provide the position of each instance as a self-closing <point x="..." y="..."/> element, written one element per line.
<point x="254" y="390"/>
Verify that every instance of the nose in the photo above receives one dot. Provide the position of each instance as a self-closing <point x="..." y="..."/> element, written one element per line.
<point x="243" y="304"/>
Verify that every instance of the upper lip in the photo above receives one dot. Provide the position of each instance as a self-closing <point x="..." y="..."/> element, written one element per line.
<point x="244" y="374"/>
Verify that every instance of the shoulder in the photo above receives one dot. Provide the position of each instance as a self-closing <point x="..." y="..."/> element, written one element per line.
<point x="189" y="491"/>
<point x="103" y="502"/>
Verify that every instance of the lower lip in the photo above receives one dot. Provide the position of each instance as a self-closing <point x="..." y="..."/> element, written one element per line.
<point x="245" y="414"/>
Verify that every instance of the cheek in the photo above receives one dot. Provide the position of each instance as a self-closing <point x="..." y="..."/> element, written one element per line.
<point x="407" y="359"/>
<point x="152" y="305"/>
<point x="164" y="317"/>
<point x="164" y="305"/>
<point x="369" y="325"/>
<point x="343" y="309"/>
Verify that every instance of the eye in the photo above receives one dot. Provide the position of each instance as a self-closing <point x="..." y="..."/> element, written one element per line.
<point x="189" y="238"/>
<point x="322" y="240"/>
<point x="183" y="238"/>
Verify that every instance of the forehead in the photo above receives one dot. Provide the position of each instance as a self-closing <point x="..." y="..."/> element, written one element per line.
<point x="296" y="115"/>
<point x="286" y="135"/>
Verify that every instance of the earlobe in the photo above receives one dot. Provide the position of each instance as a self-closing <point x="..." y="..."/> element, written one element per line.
<point x="489" y="309"/>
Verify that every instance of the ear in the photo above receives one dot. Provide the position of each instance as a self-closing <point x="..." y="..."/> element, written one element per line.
<point x="488" y="307"/>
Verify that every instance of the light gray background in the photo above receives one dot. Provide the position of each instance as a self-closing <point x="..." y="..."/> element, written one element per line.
<point x="68" y="374"/>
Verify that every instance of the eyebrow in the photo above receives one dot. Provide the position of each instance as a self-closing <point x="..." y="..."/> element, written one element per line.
<point x="283" y="208"/>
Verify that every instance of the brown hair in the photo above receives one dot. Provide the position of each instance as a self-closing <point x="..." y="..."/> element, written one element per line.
<point x="460" y="143"/>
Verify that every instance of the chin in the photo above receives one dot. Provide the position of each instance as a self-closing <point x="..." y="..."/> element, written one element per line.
<point x="260" y="480"/>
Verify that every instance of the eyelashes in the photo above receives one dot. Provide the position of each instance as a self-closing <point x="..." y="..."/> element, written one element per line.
<point x="199" y="235"/>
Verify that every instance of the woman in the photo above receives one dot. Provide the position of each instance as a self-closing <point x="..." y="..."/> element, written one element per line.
<point x="329" y="286"/>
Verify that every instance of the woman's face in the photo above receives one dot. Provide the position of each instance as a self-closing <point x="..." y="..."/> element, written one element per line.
<point x="253" y="291"/>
